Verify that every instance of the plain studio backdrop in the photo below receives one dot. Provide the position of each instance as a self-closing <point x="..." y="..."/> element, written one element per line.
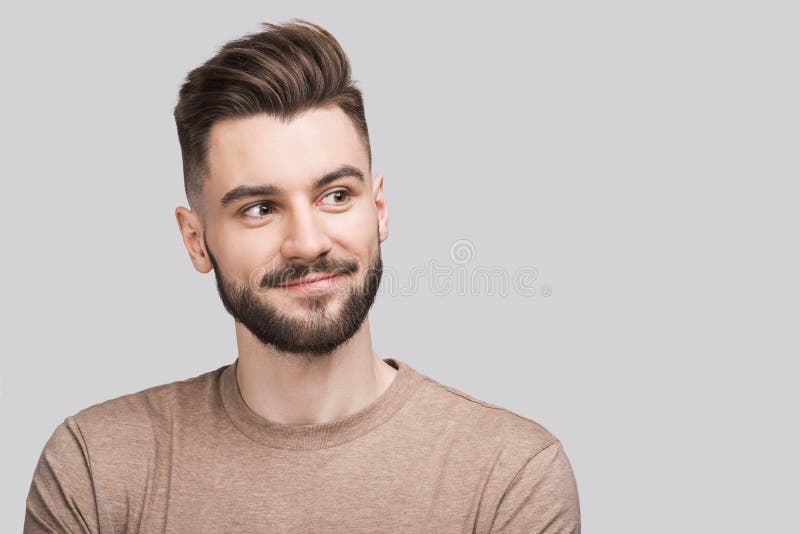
<point x="637" y="162"/>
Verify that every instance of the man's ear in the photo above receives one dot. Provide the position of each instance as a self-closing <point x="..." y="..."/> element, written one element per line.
<point x="191" y="229"/>
<point x="382" y="208"/>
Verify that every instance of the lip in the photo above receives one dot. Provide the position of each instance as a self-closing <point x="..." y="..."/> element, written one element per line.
<point x="316" y="284"/>
<point x="308" y="280"/>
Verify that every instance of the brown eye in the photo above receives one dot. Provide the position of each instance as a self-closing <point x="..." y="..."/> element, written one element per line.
<point x="339" y="197"/>
<point x="260" y="210"/>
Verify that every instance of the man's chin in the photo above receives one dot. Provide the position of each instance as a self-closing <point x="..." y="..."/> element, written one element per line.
<point x="296" y="307"/>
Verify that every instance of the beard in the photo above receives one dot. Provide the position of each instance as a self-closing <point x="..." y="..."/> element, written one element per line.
<point x="318" y="332"/>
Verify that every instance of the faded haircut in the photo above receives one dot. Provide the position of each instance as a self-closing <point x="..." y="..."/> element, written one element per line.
<point x="281" y="71"/>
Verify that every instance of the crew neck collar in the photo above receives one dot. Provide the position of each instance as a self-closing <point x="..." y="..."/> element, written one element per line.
<point x="322" y="435"/>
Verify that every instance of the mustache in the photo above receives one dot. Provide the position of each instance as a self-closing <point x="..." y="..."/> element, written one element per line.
<point x="297" y="271"/>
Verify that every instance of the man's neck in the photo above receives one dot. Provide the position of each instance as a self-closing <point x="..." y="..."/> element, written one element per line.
<point x="294" y="390"/>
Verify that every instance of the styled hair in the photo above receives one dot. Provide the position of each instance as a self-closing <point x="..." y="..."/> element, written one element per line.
<point x="281" y="71"/>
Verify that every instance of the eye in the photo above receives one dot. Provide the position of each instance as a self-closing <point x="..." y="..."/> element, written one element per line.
<point x="259" y="211"/>
<point x="340" y="197"/>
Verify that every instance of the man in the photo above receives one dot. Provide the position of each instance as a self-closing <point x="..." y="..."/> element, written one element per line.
<point x="308" y="430"/>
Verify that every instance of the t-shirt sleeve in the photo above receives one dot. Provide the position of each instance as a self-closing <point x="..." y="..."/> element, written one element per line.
<point x="542" y="497"/>
<point x="61" y="496"/>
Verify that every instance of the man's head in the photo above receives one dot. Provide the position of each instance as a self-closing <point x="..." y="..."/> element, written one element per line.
<point x="277" y="167"/>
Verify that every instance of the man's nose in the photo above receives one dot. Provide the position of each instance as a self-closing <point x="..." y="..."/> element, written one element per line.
<point x="305" y="238"/>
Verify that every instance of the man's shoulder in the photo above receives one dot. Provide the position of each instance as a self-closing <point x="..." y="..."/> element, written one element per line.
<point x="135" y="415"/>
<point x="108" y="451"/>
<point x="527" y="485"/>
<point x="484" y="419"/>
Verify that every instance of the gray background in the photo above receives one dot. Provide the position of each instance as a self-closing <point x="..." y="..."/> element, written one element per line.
<point x="641" y="156"/>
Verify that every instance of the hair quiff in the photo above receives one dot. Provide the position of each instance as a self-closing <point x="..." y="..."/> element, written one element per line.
<point x="281" y="71"/>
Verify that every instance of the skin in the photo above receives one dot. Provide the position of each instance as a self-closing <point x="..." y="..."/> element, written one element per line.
<point x="302" y="227"/>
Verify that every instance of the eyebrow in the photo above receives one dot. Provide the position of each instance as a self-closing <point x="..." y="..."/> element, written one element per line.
<point x="246" y="191"/>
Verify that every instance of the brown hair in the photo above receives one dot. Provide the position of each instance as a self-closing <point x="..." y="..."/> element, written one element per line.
<point x="281" y="71"/>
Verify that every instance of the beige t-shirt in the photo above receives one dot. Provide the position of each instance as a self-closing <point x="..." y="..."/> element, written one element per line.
<point x="191" y="456"/>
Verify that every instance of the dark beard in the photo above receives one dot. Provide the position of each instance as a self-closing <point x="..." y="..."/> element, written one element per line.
<point x="317" y="333"/>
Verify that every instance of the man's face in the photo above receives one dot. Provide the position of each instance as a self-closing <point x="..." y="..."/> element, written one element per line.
<point x="286" y="202"/>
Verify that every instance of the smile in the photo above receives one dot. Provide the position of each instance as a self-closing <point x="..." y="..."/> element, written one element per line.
<point x="316" y="283"/>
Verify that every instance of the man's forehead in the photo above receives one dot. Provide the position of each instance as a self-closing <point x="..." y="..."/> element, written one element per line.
<point x="264" y="148"/>
<point x="321" y="129"/>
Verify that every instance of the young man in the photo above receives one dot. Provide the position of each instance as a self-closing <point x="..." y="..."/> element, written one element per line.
<point x="308" y="430"/>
